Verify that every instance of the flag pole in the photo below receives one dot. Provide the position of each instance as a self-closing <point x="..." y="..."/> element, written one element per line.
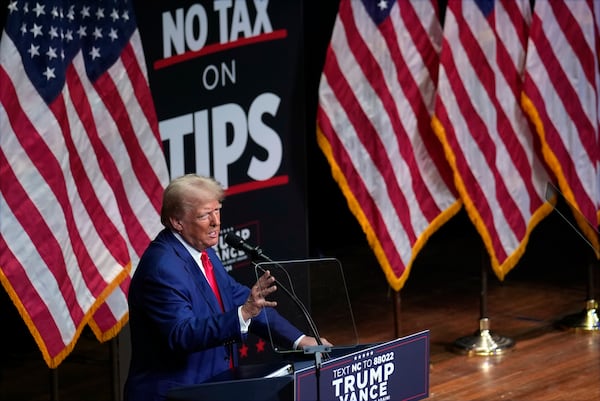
<point x="587" y="320"/>
<point x="397" y="304"/>
<point x="483" y="342"/>
<point x="53" y="382"/>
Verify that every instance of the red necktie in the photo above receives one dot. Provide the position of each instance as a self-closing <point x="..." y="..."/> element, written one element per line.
<point x="210" y="275"/>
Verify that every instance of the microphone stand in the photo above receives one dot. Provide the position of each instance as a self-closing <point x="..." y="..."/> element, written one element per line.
<point x="319" y="351"/>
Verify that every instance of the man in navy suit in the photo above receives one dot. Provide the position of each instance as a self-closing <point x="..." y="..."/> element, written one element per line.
<point x="182" y="331"/>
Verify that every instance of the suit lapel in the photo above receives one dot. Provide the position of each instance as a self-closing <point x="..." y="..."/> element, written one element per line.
<point x="195" y="273"/>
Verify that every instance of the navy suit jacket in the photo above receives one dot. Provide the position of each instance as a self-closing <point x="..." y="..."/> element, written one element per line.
<point x="179" y="334"/>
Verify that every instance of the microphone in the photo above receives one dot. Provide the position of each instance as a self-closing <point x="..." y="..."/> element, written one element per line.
<point x="237" y="242"/>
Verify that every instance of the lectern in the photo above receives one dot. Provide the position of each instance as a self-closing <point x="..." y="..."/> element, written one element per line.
<point x="394" y="370"/>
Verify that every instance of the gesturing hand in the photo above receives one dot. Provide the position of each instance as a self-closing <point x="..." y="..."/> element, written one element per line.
<point x="308" y="341"/>
<point x="264" y="286"/>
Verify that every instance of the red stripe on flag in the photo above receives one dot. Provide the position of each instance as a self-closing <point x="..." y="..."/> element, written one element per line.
<point x="140" y="164"/>
<point x="485" y="145"/>
<point x="103" y="224"/>
<point x="370" y="139"/>
<point x="44" y="329"/>
<point x="560" y="82"/>
<point x="113" y="241"/>
<point x="105" y="323"/>
<point x="151" y="183"/>
<point x="555" y="141"/>
<point x="466" y="177"/>
<point x="411" y="91"/>
<point x="358" y="189"/>
<point x="41" y="235"/>
<point x="477" y="126"/>
<point x="430" y="57"/>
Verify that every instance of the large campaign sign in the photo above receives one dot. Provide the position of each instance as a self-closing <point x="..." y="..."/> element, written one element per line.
<point x="226" y="79"/>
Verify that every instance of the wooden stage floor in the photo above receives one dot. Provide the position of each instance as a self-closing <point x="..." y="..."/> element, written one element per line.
<point x="442" y="295"/>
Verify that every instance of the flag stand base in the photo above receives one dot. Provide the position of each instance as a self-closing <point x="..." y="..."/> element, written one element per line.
<point x="587" y="320"/>
<point x="484" y="342"/>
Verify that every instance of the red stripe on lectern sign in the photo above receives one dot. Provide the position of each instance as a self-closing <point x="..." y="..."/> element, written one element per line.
<point x="224" y="76"/>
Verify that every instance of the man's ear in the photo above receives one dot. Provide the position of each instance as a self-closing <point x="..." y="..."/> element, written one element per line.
<point x="176" y="223"/>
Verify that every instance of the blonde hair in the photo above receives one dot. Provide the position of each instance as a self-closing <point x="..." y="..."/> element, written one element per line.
<point x="174" y="198"/>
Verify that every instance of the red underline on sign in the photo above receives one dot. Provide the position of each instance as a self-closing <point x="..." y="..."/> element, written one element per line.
<point x="255" y="185"/>
<point x="218" y="47"/>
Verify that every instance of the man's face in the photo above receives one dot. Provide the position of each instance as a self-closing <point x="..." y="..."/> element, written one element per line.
<point x="200" y="224"/>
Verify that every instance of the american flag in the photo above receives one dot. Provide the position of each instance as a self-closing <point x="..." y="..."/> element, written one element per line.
<point x="376" y="99"/>
<point x="81" y="163"/>
<point x="561" y="96"/>
<point x="493" y="151"/>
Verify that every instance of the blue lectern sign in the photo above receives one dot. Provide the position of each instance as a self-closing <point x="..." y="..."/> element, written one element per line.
<point x="396" y="370"/>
